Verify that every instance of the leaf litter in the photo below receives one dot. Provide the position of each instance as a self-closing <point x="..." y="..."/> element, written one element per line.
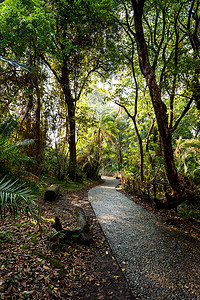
<point x="29" y="269"/>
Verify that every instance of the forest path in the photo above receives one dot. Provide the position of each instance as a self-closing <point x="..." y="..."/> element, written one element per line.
<point x="159" y="263"/>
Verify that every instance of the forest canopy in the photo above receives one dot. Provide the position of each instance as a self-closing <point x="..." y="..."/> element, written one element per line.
<point x="102" y="87"/>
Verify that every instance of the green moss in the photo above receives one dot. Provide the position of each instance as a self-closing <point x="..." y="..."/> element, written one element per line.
<point x="56" y="263"/>
<point x="5" y="238"/>
<point x="53" y="262"/>
<point x="30" y="234"/>
<point x="34" y="241"/>
<point x="25" y="247"/>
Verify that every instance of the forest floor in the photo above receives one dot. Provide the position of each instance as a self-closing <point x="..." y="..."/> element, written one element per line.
<point x="29" y="269"/>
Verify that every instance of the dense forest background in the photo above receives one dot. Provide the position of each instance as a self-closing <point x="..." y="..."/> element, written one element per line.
<point x="101" y="87"/>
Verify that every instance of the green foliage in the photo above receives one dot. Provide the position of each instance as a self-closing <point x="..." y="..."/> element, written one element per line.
<point x="58" y="241"/>
<point x="9" y="149"/>
<point x="83" y="36"/>
<point x="187" y="156"/>
<point x="56" y="160"/>
<point x="189" y="211"/>
<point x="86" y="119"/>
<point x="16" y="198"/>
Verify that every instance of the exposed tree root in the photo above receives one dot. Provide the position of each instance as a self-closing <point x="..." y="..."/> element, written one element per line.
<point x="188" y="192"/>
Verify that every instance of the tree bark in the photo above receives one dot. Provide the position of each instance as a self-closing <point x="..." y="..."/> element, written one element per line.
<point x="51" y="193"/>
<point x="179" y="190"/>
<point x="72" y="141"/>
<point x="195" y="42"/>
<point x="38" y="128"/>
<point x="71" y="106"/>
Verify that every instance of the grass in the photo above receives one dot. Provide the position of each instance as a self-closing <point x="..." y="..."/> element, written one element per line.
<point x="69" y="186"/>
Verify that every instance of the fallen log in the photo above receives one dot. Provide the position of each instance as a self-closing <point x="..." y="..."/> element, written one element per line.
<point x="81" y="233"/>
<point x="51" y="193"/>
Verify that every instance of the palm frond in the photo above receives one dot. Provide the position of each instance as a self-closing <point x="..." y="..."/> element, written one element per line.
<point x="8" y="127"/>
<point x="14" y="63"/>
<point x="16" y="198"/>
<point x="9" y="147"/>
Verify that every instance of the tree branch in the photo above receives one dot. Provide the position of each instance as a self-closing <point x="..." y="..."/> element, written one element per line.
<point x="48" y="64"/>
<point x="172" y="96"/>
<point x="127" y="22"/>
<point x="182" y="115"/>
<point x="148" y="135"/>
<point x="94" y="69"/>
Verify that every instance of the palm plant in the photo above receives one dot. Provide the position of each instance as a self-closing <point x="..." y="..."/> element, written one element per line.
<point x="15" y="198"/>
<point x="14" y="63"/>
<point x="9" y="149"/>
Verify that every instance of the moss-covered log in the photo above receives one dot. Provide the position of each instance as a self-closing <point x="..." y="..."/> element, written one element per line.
<point x="51" y="193"/>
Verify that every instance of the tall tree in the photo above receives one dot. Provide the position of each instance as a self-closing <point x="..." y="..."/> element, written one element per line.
<point x="21" y="90"/>
<point x="181" y="186"/>
<point x="133" y="116"/>
<point x="70" y="38"/>
<point x="80" y="31"/>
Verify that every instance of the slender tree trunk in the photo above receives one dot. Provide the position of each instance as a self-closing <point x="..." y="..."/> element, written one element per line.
<point x="148" y="136"/>
<point x="195" y="42"/>
<point x="120" y="161"/>
<point x="141" y="151"/>
<point x="72" y="141"/>
<point x="71" y="106"/>
<point x="38" y="129"/>
<point x="133" y="118"/>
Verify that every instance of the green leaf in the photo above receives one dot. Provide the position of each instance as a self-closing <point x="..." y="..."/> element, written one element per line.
<point x="15" y="197"/>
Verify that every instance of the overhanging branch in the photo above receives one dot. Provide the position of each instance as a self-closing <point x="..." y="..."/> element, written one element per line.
<point x="182" y="115"/>
<point x="49" y="66"/>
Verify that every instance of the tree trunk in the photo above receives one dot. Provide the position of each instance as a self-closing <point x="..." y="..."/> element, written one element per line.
<point x="179" y="189"/>
<point x="38" y="129"/>
<point x="72" y="141"/>
<point x="71" y="106"/>
<point x="140" y="150"/>
<point x="195" y="43"/>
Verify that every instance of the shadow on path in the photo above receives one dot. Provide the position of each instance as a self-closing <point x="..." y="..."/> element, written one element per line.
<point x="159" y="263"/>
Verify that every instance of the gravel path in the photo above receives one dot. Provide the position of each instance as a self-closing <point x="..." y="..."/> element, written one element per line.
<point x="159" y="263"/>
